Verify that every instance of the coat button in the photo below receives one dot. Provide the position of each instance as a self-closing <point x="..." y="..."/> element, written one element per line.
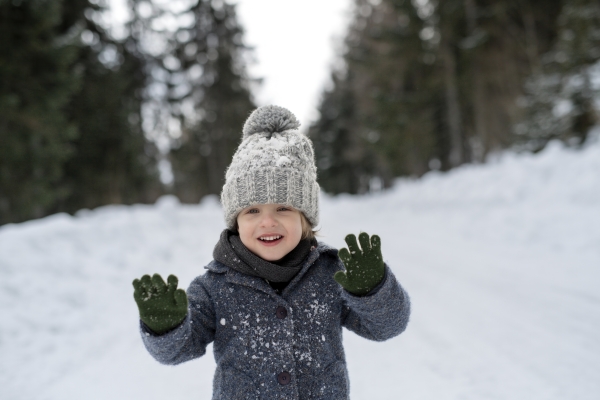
<point x="281" y="312"/>
<point x="284" y="378"/>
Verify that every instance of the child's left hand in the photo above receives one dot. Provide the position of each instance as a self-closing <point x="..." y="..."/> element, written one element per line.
<point x="364" y="268"/>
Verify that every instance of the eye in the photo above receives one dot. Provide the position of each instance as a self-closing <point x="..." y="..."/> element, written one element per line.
<point x="252" y="211"/>
<point x="284" y="209"/>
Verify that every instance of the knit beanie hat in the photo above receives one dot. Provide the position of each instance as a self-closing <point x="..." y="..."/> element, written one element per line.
<point x="274" y="164"/>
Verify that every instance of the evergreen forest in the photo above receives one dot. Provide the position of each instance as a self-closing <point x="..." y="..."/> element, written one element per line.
<point x="91" y="115"/>
<point x="433" y="84"/>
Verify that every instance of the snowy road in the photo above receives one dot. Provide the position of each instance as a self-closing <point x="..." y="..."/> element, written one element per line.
<point x="501" y="261"/>
<point x="491" y="324"/>
<point x="490" y="320"/>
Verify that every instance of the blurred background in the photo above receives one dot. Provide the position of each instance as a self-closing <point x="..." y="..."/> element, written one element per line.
<point x="464" y="132"/>
<point x="121" y="102"/>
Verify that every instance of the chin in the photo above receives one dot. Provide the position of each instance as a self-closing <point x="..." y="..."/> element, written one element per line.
<point x="271" y="258"/>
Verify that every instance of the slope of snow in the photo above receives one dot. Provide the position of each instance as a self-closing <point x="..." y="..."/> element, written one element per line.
<point x="501" y="261"/>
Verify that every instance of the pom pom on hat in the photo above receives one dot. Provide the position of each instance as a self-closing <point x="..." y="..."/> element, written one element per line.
<point x="270" y="119"/>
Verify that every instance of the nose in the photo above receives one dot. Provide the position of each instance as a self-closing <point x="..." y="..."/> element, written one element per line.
<point x="268" y="220"/>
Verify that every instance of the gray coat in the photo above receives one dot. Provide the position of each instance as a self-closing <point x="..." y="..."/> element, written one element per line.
<point x="288" y="346"/>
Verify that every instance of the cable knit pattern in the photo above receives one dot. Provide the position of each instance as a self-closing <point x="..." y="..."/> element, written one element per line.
<point x="274" y="164"/>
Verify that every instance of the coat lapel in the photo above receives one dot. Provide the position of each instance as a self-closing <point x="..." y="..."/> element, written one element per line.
<point x="312" y="257"/>
<point x="253" y="282"/>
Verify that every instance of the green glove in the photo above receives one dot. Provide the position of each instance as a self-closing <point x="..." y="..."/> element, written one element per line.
<point x="364" y="269"/>
<point x="162" y="307"/>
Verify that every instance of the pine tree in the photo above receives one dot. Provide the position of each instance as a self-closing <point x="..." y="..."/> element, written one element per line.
<point x="430" y="85"/>
<point x="113" y="162"/>
<point x="70" y="125"/>
<point x="487" y="51"/>
<point x="401" y="116"/>
<point x="38" y="77"/>
<point x="560" y="97"/>
<point x="377" y="122"/>
<point x="345" y="165"/>
<point x="217" y="89"/>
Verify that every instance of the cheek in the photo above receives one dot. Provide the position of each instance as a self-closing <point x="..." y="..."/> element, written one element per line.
<point x="245" y="231"/>
<point x="295" y="228"/>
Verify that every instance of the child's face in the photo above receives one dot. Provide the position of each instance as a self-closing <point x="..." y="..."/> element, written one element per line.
<point x="270" y="230"/>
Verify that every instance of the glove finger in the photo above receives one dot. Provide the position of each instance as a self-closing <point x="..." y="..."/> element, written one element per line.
<point x="180" y="298"/>
<point x="352" y="245"/>
<point x="146" y="282"/>
<point x="345" y="256"/>
<point x="145" y="288"/>
<point x="138" y="290"/>
<point x="341" y="278"/>
<point x="159" y="283"/>
<point x="137" y="285"/>
<point x="365" y="244"/>
<point x="172" y="283"/>
<point x="376" y="243"/>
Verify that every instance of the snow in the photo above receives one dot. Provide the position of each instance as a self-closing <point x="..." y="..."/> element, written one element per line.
<point x="283" y="161"/>
<point x="501" y="261"/>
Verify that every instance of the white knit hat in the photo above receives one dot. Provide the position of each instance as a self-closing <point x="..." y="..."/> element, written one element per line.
<point x="274" y="164"/>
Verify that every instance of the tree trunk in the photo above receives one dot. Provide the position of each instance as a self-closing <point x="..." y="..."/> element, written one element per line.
<point x="456" y="156"/>
<point x="482" y="143"/>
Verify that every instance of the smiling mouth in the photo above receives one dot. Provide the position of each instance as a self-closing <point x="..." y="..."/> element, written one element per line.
<point x="270" y="239"/>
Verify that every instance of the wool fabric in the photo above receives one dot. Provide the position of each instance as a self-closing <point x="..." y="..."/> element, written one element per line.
<point x="260" y="337"/>
<point x="231" y="251"/>
<point x="274" y="164"/>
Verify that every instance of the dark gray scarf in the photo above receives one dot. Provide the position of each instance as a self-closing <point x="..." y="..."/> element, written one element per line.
<point x="231" y="251"/>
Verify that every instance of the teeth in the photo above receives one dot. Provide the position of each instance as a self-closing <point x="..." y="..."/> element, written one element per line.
<point x="270" y="238"/>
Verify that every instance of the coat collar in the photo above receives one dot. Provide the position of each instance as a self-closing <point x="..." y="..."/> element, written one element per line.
<point x="257" y="283"/>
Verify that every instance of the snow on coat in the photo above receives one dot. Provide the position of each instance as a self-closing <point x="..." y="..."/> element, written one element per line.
<point x="288" y="346"/>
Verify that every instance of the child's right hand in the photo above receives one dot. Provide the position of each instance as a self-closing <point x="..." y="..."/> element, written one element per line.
<point x="162" y="306"/>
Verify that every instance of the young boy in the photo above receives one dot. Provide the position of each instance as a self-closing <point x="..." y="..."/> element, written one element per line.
<point x="274" y="300"/>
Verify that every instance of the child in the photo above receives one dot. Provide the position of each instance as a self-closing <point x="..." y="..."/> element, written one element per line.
<point x="274" y="300"/>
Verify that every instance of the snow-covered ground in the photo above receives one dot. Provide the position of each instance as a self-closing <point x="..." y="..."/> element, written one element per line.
<point x="502" y="263"/>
